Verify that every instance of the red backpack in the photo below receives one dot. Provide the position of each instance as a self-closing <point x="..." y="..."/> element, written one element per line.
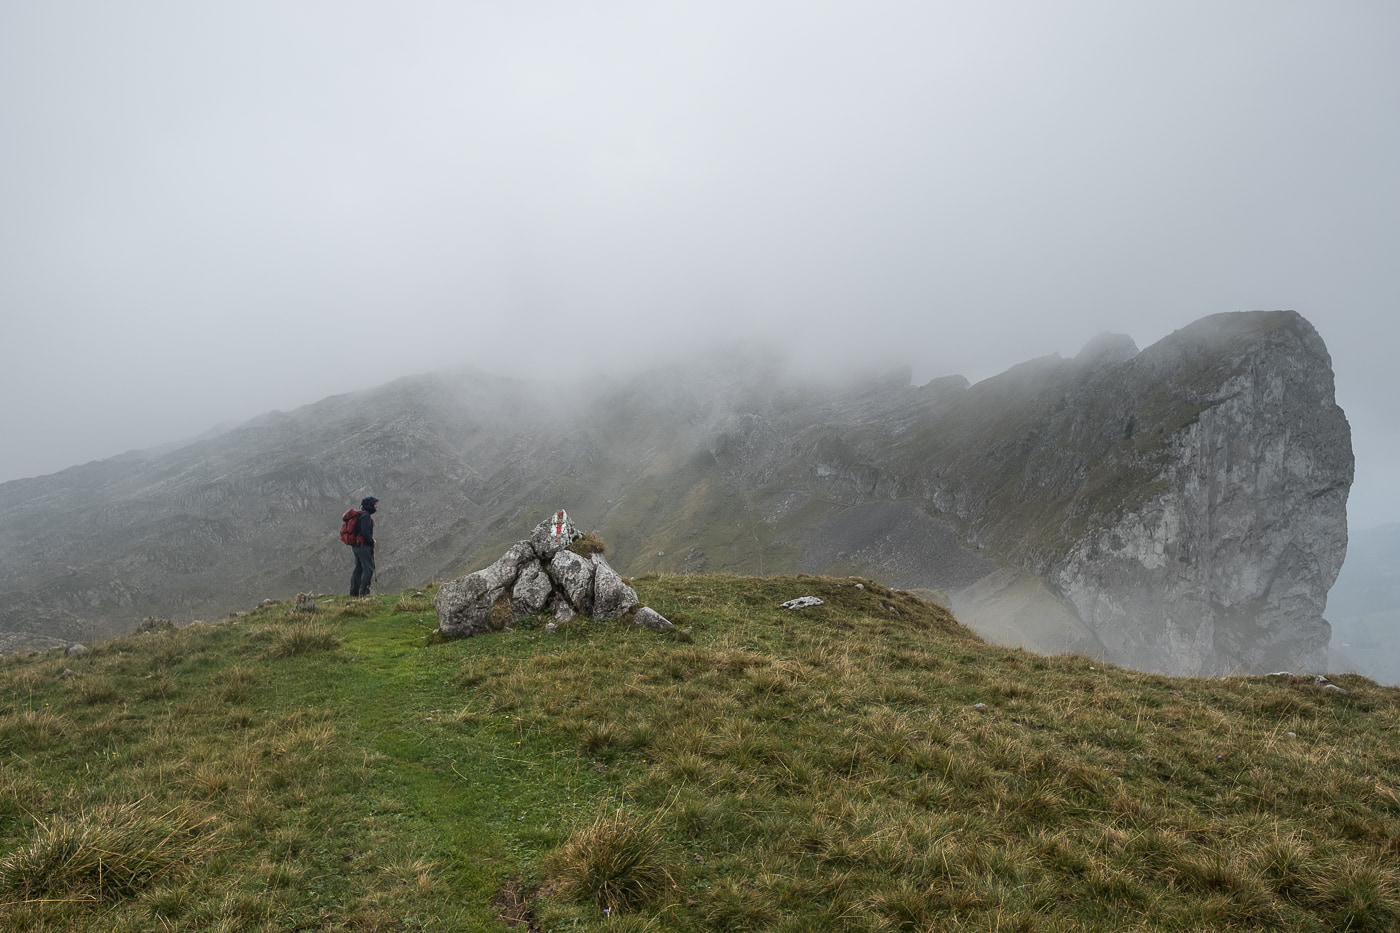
<point x="350" y="527"/>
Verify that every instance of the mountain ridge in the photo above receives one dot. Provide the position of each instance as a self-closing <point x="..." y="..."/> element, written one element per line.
<point x="1059" y="478"/>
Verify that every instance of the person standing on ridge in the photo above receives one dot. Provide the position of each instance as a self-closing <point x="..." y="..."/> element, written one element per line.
<point x="364" y="549"/>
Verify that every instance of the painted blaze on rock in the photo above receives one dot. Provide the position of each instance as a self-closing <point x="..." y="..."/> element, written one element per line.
<point x="536" y="575"/>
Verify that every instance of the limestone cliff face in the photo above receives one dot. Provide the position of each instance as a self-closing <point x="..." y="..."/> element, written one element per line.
<point x="1226" y="566"/>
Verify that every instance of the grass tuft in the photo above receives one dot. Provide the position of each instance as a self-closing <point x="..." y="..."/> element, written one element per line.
<point x="414" y="602"/>
<point x="302" y="638"/>
<point x="616" y="862"/>
<point x="588" y="545"/>
<point x="30" y="731"/>
<point x="106" y="853"/>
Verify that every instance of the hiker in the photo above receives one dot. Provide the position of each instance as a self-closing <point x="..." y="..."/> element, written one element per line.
<point x="363" y="547"/>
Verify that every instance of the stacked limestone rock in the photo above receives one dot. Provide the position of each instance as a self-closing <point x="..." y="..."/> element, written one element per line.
<point x="538" y="575"/>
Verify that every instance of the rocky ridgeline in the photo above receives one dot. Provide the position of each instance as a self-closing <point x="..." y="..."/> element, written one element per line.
<point x="539" y="575"/>
<point x="1179" y="509"/>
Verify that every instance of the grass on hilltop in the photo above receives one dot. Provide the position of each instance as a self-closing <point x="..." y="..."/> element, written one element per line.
<point x="865" y="765"/>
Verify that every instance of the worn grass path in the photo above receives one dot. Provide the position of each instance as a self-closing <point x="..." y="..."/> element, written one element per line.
<point x="323" y="771"/>
<point x="486" y="796"/>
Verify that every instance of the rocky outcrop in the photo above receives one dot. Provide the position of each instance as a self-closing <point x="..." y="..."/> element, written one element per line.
<point x="537" y="575"/>
<point x="1226" y="565"/>
<point x="1185" y="504"/>
<point x="1180" y="509"/>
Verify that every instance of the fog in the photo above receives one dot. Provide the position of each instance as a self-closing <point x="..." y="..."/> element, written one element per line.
<point x="211" y="211"/>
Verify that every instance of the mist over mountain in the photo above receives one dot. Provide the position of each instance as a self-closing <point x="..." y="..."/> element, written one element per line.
<point x="1364" y="606"/>
<point x="1182" y="508"/>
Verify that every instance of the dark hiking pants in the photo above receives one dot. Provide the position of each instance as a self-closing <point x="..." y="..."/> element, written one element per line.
<point x="364" y="571"/>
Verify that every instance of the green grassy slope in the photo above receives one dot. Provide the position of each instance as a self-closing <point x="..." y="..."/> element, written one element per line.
<point x="866" y="765"/>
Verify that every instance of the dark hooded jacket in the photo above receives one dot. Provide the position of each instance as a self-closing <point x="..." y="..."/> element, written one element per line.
<point x="367" y="521"/>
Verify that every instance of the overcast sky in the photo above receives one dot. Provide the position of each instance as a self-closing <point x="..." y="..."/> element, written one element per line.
<point x="212" y="210"/>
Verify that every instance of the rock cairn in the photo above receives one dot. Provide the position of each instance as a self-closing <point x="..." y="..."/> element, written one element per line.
<point x="538" y="575"/>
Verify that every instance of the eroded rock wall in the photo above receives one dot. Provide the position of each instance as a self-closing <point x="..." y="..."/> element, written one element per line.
<point x="1227" y="567"/>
